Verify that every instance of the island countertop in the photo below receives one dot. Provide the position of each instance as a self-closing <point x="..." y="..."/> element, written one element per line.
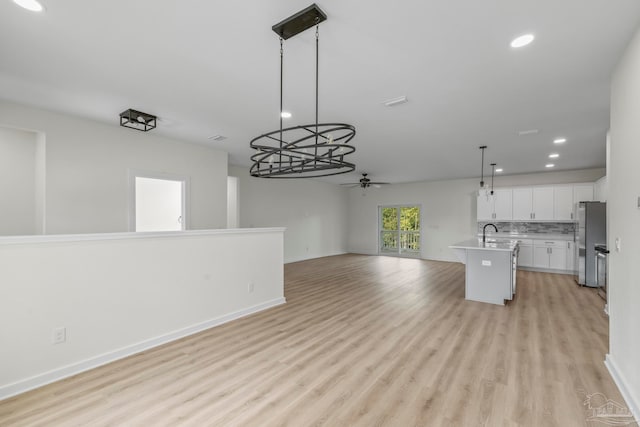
<point x="501" y="245"/>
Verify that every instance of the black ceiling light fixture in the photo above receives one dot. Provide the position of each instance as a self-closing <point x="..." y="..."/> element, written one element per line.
<point x="482" y="148"/>
<point x="305" y="151"/>
<point x="137" y="120"/>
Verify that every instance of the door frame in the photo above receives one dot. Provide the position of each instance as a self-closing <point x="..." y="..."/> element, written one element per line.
<point x="186" y="197"/>
<point x="379" y="231"/>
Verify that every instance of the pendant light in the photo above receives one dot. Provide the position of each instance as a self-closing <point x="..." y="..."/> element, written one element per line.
<point x="493" y="172"/>
<point x="305" y="151"/>
<point x="482" y="148"/>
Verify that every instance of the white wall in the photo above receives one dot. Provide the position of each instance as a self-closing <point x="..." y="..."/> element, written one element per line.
<point x="17" y="182"/>
<point x="601" y="189"/>
<point x="87" y="163"/>
<point x="624" y="223"/>
<point x="165" y="286"/>
<point x="314" y="213"/>
<point x="448" y="209"/>
<point x="233" y="220"/>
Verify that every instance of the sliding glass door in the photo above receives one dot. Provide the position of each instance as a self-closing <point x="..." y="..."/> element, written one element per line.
<point x="399" y="230"/>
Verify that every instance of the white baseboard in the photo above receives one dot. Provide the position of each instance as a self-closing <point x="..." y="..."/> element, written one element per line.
<point x="632" y="403"/>
<point x="306" y="258"/>
<point x="40" y="380"/>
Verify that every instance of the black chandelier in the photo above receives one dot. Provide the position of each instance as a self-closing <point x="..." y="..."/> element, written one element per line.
<point x="305" y="151"/>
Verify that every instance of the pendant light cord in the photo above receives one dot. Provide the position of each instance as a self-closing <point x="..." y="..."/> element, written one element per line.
<point x="281" y="80"/>
<point x="482" y="148"/>
<point x="317" y="62"/>
<point x="493" y="172"/>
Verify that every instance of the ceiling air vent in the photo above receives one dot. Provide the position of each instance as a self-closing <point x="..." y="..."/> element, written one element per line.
<point x="395" y="101"/>
<point x="217" y="138"/>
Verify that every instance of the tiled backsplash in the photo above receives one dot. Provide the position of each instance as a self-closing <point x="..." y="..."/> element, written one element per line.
<point x="532" y="227"/>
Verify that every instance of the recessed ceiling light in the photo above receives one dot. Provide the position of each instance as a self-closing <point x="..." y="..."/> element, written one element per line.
<point x="522" y="40"/>
<point x="559" y="140"/>
<point x="285" y="115"/>
<point x="499" y="170"/>
<point x="554" y="155"/>
<point x="32" y="5"/>
<point x="549" y="165"/>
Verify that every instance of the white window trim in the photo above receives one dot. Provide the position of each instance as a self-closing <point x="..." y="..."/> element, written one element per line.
<point x="186" y="194"/>
<point x="404" y="254"/>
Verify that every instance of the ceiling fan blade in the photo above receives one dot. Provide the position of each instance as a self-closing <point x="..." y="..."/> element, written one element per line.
<point x="377" y="185"/>
<point x="351" y="185"/>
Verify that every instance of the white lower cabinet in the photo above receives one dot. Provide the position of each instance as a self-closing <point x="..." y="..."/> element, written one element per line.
<point x="550" y="254"/>
<point x="571" y="256"/>
<point x="525" y="253"/>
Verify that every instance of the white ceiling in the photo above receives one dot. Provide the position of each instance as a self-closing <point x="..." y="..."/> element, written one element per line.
<point x="211" y="67"/>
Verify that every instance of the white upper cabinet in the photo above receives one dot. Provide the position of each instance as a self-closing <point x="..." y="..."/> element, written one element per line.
<point x="496" y="206"/>
<point x="563" y="203"/>
<point x="522" y="204"/>
<point x="503" y="204"/>
<point x="543" y="203"/>
<point x="485" y="206"/>
<point x="552" y="203"/>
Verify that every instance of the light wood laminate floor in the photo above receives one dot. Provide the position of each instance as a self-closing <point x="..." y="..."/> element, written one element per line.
<point x="362" y="341"/>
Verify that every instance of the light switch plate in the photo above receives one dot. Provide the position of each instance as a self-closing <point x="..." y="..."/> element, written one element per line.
<point x="486" y="263"/>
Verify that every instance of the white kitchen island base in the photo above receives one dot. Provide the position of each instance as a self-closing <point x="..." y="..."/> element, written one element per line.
<point x="490" y="270"/>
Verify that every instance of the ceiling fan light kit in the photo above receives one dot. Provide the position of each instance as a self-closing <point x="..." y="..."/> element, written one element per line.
<point x="365" y="182"/>
<point x="305" y="151"/>
<point x="138" y="120"/>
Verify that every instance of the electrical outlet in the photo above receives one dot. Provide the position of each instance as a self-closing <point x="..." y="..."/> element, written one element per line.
<point x="250" y="287"/>
<point x="59" y="335"/>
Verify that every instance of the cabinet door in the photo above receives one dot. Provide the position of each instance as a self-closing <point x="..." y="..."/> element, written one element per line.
<point x="522" y="204"/>
<point x="558" y="258"/>
<point x="502" y="200"/>
<point x="525" y="256"/>
<point x="543" y="203"/>
<point x="582" y="193"/>
<point x="541" y="256"/>
<point x="571" y="256"/>
<point x="484" y="207"/>
<point x="563" y="203"/>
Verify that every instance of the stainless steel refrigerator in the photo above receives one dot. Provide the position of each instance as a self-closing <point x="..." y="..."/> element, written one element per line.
<point x="592" y="231"/>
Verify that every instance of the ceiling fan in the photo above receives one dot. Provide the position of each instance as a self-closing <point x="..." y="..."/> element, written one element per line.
<point x="365" y="183"/>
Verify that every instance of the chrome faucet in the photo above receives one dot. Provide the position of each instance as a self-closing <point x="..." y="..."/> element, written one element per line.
<point x="484" y="231"/>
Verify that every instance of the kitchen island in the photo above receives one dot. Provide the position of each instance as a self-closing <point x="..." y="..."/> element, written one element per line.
<point x="490" y="269"/>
